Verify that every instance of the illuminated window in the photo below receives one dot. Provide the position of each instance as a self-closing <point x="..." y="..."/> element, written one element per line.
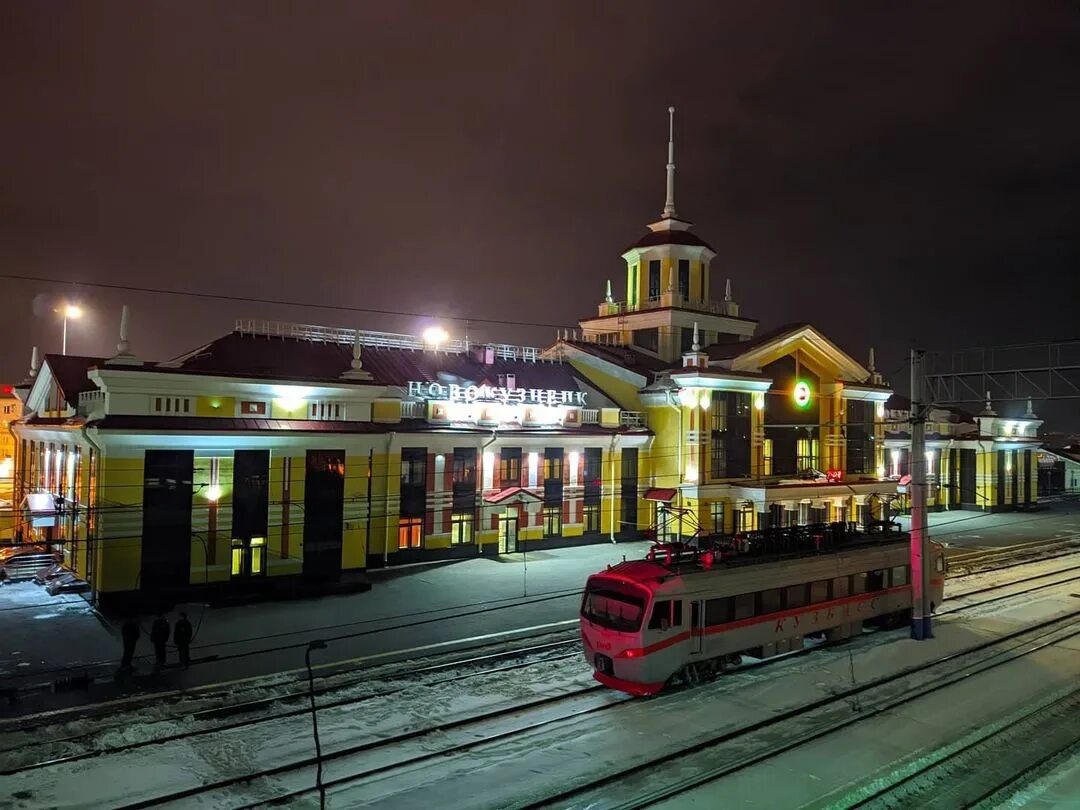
<point x="592" y="519"/>
<point x="410" y="532"/>
<point x="552" y="521"/>
<point x="553" y="462"/>
<point x="510" y="467"/>
<point x="172" y="405"/>
<point x="717" y="510"/>
<point x="767" y="457"/>
<point x="461" y="528"/>
<point x="806" y="451"/>
<point x="248" y="557"/>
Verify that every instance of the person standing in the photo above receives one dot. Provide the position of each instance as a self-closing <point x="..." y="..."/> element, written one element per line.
<point x="159" y="637"/>
<point x="129" y="632"/>
<point x="182" y="638"/>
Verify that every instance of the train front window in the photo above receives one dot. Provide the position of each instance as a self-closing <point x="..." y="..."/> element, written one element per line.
<point x="614" y="610"/>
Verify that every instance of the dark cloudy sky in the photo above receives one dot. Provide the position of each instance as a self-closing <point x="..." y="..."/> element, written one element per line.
<point x="888" y="171"/>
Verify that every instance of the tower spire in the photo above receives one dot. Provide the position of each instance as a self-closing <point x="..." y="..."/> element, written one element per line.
<point x="669" y="205"/>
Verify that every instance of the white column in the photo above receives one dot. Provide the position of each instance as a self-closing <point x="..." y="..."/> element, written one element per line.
<point x="437" y="495"/>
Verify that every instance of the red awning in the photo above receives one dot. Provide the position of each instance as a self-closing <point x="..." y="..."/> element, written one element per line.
<point x="512" y="495"/>
<point x="659" y="494"/>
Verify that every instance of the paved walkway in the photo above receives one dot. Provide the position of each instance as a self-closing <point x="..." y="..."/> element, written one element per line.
<point x="43" y="638"/>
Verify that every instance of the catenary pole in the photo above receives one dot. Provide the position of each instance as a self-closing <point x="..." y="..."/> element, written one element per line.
<point x="920" y="541"/>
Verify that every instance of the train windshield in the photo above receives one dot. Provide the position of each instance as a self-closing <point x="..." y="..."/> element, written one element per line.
<point x="613" y="607"/>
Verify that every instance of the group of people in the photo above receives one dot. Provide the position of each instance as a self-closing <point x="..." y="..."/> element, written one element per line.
<point x="159" y="637"/>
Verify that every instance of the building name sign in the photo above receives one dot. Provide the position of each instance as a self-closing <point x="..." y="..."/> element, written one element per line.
<point x="490" y="393"/>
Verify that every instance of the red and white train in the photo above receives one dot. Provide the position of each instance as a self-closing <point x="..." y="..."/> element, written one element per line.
<point x="677" y="614"/>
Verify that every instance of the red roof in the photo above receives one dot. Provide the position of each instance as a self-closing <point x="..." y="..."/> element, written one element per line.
<point x="289" y="358"/>
<point x="506" y="494"/>
<point x="216" y="424"/>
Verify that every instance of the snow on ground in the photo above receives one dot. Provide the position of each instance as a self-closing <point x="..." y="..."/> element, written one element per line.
<point x="507" y="773"/>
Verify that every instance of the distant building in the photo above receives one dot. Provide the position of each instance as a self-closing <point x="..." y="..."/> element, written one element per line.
<point x="984" y="461"/>
<point x="1059" y="469"/>
<point x="10" y="412"/>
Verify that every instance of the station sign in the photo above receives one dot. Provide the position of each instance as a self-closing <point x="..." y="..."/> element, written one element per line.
<point x="491" y="393"/>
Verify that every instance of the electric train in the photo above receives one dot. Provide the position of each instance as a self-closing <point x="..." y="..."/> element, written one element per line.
<point x="686" y="614"/>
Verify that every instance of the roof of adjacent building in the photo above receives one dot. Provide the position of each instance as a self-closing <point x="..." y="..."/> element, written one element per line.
<point x="69" y="371"/>
<point x="669" y="237"/>
<point x="626" y="356"/>
<point x="728" y="351"/>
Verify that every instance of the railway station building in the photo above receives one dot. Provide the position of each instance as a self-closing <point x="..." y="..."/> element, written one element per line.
<point x="292" y="458"/>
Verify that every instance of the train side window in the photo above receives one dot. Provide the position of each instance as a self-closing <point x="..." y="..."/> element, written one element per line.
<point x="797" y="596"/>
<point x="661" y="615"/>
<point x="744" y="606"/>
<point x="875" y="580"/>
<point x="899" y="576"/>
<point x="819" y="591"/>
<point x="676" y="613"/>
<point x="939" y="564"/>
<point x="858" y="584"/>
<point x="771" y="600"/>
<point x="719" y="611"/>
<point x="841" y="587"/>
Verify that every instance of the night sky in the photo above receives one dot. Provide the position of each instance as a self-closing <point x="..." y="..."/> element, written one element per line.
<point x="890" y="172"/>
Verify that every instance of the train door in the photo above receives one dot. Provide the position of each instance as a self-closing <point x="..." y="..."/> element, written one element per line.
<point x="508" y="531"/>
<point x="697" y="627"/>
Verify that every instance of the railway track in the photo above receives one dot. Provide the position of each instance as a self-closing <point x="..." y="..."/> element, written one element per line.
<point x="662" y="777"/>
<point x="472" y="668"/>
<point x="985" y="763"/>
<point x="76" y="747"/>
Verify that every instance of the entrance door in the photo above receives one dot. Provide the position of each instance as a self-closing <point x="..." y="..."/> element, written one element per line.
<point x="508" y="531"/>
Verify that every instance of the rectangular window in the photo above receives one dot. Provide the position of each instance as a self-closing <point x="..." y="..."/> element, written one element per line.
<point x="797" y="596"/>
<point x="510" y="467"/>
<point x="684" y="278"/>
<point x="413" y="466"/>
<point x="819" y="591"/>
<point x="717" y="510"/>
<point x="899" y="576"/>
<point x="767" y="457"/>
<point x="552" y="521"/>
<point x="806" y="455"/>
<point x="771" y="600"/>
<point x="632" y="297"/>
<point x="648" y="339"/>
<point x="592" y="518"/>
<point x="251" y="407"/>
<point x="654" y="278"/>
<point x="172" y="405"/>
<point x="410" y="532"/>
<point x="719" y="611"/>
<point x="461" y="528"/>
<point x="859" y="433"/>
<point x="465" y="466"/>
<point x="629" y="512"/>
<point x="248" y="557"/>
<point x="553" y="476"/>
<point x="593" y="474"/>
<point x="326" y="411"/>
<point x="251" y="494"/>
<point x="730" y="439"/>
<point x="666" y="612"/>
<point x="745" y="606"/>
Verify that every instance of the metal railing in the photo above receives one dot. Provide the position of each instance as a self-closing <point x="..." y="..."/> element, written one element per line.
<point x="390" y="340"/>
<point x="669" y="299"/>
<point x="633" y="419"/>
<point x="590" y="416"/>
<point x="90" y="401"/>
<point x="413" y="410"/>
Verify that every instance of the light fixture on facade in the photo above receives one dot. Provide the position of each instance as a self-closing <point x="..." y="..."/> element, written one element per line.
<point x="759" y="402"/>
<point x="435" y="336"/>
<point x="687" y="397"/>
<point x="881" y="410"/>
<point x="801" y="394"/>
<point x="881" y="471"/>
<point x="691" y="475"/>
<point x="706" y="400"/>
<point x="213" y="494"/>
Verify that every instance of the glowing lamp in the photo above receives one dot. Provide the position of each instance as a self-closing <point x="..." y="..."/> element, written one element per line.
<point x="435" y="336"/>
<point x="705" y="401"/>
<point x="72" y="311"/>
<point x="759" y="402"/>
<point x="801" y="394"/>
<point x="687" y="397"/>
<point x="213" y="494"/>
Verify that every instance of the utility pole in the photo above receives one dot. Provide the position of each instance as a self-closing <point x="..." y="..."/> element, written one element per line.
<point x="920" y="539"/>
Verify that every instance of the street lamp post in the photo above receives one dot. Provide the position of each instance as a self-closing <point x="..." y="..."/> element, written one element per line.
<point x="70" y="311"/>
<point x="315" y="645"/>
